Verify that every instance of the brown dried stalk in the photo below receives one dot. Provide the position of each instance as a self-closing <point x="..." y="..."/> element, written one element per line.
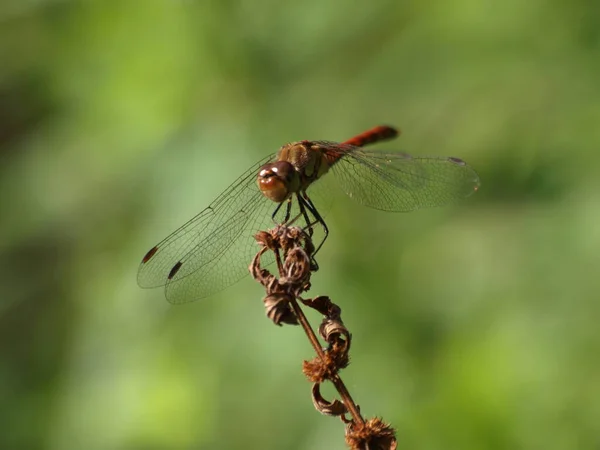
<point x="294" y="251"/>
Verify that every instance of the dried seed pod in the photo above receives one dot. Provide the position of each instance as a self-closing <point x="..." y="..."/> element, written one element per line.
<point x="373" y="434"/>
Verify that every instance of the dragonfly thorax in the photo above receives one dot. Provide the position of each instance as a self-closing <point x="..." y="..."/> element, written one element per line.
<point x="278" y="180"/>
<point x="308" y="159"/>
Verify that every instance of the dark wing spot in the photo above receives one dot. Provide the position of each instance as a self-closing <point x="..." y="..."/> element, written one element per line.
<point x="149" y="255"/>
<point x="458" y="161"/>
<point x="174" y="270"/>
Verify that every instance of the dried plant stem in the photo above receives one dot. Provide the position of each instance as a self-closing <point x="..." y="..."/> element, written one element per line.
<point x="294" y="254"/>
<point x="336" y="380"/>
<point x="312" y="337"/>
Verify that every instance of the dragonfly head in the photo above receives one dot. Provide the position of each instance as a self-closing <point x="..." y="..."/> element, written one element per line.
<point x="278" y="180"/>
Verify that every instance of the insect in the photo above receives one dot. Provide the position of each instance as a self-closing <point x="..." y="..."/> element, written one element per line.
<point x="213" y="250"/>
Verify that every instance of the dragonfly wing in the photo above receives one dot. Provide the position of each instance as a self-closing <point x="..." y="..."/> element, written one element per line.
<point x="223" y="257"/>
<point x="208" y="237"/>
<point x="400" y="182"/>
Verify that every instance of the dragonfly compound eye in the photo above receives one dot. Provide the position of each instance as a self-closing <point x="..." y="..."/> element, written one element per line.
<point x="278" y="180"/>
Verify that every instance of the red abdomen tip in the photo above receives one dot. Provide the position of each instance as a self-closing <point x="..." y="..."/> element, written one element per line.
<point x="379" y="133"/>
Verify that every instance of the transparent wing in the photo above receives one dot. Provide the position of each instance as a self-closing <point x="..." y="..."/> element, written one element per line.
<point x="400" y="182"/>
<point x="212" y="250"/>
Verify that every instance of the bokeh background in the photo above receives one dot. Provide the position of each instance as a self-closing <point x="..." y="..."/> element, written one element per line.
<point x="475" y="326"/>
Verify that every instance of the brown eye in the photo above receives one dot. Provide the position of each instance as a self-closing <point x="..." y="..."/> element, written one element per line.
<point x="278" y="180"/>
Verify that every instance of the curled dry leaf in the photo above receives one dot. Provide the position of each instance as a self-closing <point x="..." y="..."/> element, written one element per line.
<point x="261" y="275"/>
<point x="334" y="408"/>
<point x="279" y="309"/>
<point x="332" y="329"/>
<point x="296" y="268"/>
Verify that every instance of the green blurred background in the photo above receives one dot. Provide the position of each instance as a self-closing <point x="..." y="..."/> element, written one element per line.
<point x="475" y="326"/>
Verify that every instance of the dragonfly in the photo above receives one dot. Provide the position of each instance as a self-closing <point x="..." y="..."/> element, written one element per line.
<point x="213" y="250"/>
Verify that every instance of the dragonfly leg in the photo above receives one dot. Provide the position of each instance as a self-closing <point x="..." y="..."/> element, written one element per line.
<point x="303" y="207"/>
<point x="288" y="212"/>
<point x="307" y="203"/>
